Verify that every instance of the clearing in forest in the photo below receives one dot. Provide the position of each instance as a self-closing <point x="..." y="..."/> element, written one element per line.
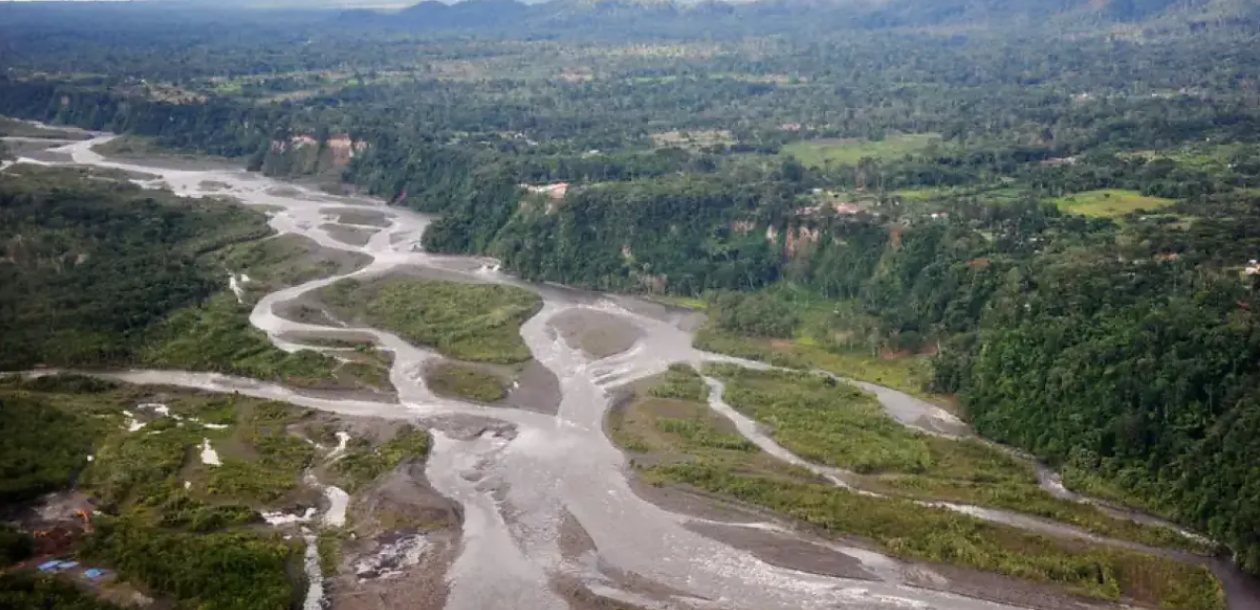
<point x="1109" y="203"/>
<point x="837" y="151"/>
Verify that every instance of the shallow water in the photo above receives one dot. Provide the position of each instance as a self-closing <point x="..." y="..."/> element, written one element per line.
<point x="515" y="489"/>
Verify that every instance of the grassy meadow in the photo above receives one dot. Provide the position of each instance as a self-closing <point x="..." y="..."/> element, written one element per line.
<point x="819" y="153"/>
<point x="1109" y="203"/>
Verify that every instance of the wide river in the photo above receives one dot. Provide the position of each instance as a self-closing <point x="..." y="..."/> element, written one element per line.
<point x="517" y="490"/>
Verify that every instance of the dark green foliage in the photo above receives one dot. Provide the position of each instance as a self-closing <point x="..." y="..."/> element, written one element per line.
<point x="758" y="314"/>
<point x="35" y="592"/>
<point x="230" y="571"/>
<point x="15" y="546"/>
<point x="1150" y="384"/>
<point x="92" y="264"/>
<point x="42" y="448"/>
<point x="1121" y="349"/>
<point x="216" y="336"/>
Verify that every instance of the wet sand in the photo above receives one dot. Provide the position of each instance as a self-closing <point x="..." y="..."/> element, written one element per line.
<point x="354" y="236"/>
<point x="597" y="333"/>
<point x="537" y="389"/>
<point x="786" y="551"/>
<point x="358" y="216"/>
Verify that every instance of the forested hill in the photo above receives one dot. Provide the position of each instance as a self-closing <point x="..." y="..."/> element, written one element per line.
<point x="720" y="18"/>
<point x="1055" y="201"/>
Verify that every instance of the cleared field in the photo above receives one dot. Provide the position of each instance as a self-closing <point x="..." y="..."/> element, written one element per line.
<point x="818" y="153"/>
<point x="1109" y="203"/>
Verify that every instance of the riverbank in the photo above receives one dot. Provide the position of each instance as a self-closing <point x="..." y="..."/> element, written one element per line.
<point x="512" y="470"/>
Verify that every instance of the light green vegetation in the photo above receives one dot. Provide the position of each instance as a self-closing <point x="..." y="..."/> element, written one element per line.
<point x="695" y="303"/>
<point x="465" y="381"/>
<point x="907" y="374"/>
<point x="681" y="442"/>
<point x="329" y="546"/>
<point x="261" y="460"/>
<point x="681" y="382"/>
<point x="820" y="153"/>
<point x="910" y="530"/>
<point x="363" y="462"/>
<point x="1109" y="203"/>
<point x="286" y="260"/>
<point x="194" y="542"/>
<point x="660" y="430"/>
<point x="473" y="322"/>
<point x="216" y="336"/>
<point x="832" y="423"/>
<point x="157" y="471"/>
<point x="989" y="193"/>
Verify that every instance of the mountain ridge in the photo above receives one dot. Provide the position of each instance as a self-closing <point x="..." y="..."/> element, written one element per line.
<point x="752" y="15"/>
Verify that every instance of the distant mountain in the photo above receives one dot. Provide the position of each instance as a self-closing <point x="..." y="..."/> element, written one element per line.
<point x="718" y="18"/>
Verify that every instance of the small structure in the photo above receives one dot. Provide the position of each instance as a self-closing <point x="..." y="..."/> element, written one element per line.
<point x="555" y="191"/>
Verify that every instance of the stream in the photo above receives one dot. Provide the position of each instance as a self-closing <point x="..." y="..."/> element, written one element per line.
<point x="516" y="490"/>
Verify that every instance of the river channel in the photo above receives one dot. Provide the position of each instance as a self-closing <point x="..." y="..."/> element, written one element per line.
<point x="518" y="490"/>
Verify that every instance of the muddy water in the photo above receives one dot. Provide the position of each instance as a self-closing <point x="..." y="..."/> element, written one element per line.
<point x="516" y="489"/>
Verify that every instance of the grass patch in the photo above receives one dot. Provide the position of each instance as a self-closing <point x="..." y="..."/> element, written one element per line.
<point x="1109" y="203"/>
<point x="328" y="543"/>
<point x="286" y="260"/>
<point x="682" y="442"/>
<point x="907" y="374"/>
<point x="196" y="546"/>
<point x="141" y="473"/>
<point x="473" y="322"/>
<point x="464" y="381"/>
<point x="836" y="424"/>
<point x="910" y="530"/>
<point x="364" y="463"/>
<point x="678" y="430"/>
<point x="693" y="303"/>
<point x="681" y="382"/>
<point x="819" y="153"/>
<point x="216" y="336"/>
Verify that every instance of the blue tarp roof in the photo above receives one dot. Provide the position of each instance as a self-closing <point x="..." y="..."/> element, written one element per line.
<point x="50" y="565"/>
<point x="94" y="573"/>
